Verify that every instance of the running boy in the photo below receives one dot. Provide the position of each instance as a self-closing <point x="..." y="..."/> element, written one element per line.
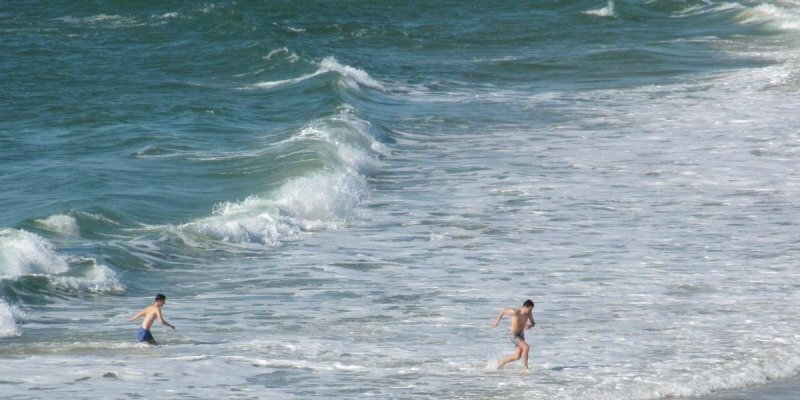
<point x="521" y="319"/>
<point x="150" y="313"/>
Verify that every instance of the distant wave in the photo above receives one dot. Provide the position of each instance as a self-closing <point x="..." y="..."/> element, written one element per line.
<point x="272" y="84"/>
<point x="607" y="11"/>
<point x="290" y="55"/>
<point x="351" y="77"/>
<point x="119" y="21"/>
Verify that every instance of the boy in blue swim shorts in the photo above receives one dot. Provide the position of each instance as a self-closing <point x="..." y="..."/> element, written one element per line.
<point x="144" y="335"/>
<point x="150" y="313"/>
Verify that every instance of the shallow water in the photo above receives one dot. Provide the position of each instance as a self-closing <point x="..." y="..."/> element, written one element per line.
<point x="337" y="200"/>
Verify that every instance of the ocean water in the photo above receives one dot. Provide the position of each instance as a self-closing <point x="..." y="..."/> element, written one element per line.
<point x="337" y="198"/>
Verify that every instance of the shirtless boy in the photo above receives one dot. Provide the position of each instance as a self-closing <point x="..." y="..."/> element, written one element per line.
<point x="150" y="313"/>
<point x="521" y="320"/>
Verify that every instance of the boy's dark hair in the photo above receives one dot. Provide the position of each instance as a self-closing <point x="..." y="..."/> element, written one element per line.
<point x="160" y="297"/>
<point x="528" y="303"/>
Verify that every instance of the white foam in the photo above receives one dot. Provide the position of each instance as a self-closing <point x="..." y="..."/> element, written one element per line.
<point x="97" y="279"/>
<point x="325" y="200"/>
<point x="63" y="224"/>
<point x="697" y="383"/>
<point x="97" y="217"/>
<point x="272" y="84"/>
<point x="607" y="11"/>
<point x="771" y="15"/>
<point x="8" y="324"/>
<point x="291" y="56"/>
<point x="115" y="21"/>
<point x="25" y="253"/>
<point x="352" y="76"/>
<point x="289" y="28"/>
<point x="254" y="220"/>
<point x="167" y="15"/>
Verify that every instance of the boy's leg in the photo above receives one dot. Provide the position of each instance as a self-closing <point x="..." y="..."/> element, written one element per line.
<point x="514" y="357"/>
<point x="525" y="349"/>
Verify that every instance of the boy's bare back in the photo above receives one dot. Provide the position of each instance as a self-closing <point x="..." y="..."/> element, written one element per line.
<point x="150" y="314"/>
<point x="519" y="319"/>
<point x="153" y="312"/>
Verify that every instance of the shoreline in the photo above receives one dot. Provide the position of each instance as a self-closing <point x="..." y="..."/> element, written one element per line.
<point x="783" y="389"/>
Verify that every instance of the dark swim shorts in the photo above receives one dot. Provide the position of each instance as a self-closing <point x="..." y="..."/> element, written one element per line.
<point x="517" y="337"/>
<point x="144" y="335"/>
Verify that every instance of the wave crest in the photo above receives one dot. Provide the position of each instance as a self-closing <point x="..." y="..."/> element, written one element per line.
<point x="320" y="201"/>
<point x="63" y="224"/>
<point x="352" y="78"/>
<point x="772" y="16"/>
<point x="25" y="253"/>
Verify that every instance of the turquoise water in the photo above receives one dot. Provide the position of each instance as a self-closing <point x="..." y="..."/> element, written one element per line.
<point x="338" y="197"/>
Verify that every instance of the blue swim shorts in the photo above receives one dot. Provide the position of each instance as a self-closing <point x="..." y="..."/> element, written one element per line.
<point x="144" y="335"/>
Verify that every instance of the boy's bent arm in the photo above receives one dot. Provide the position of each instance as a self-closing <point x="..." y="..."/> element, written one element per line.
<point x="163" y="321"/>
<point x="532" y="322"/>
<point x="505" y="311"/>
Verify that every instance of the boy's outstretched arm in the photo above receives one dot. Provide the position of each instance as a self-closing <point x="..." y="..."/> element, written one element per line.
<point x="140" y="314"/>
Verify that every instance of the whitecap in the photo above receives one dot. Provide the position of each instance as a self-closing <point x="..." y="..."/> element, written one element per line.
<point x="607" y="11"/>
<point x="290" y="55"/>
<point x="63" y="224"/>
<point x="96" y="279"/>
<point x="353" y="77"/>
<point x="326" y="200"/>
